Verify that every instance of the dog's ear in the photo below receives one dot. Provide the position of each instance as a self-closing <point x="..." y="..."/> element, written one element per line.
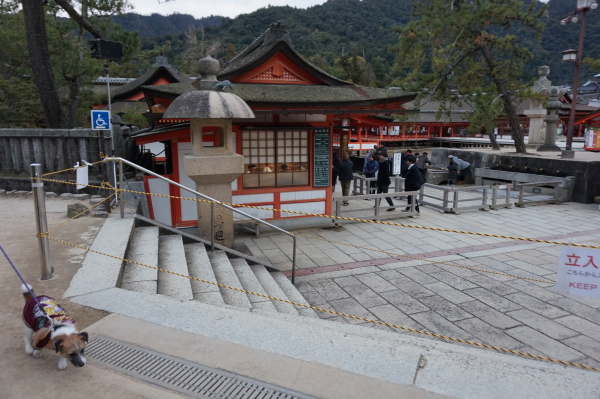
<point x="84" y="336"/>
<point x="58" y="345"/>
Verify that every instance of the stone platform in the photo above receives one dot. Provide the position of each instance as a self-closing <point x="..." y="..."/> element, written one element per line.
<point x="585" y="167"/>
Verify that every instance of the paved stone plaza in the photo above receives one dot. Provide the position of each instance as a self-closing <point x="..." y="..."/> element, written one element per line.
<point x="436" y="296"/>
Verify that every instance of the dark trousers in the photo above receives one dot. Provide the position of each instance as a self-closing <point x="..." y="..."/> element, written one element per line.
<point x="346" y="189"/>
<point x="464" y="173"/>
<point x="384" y="190"/>
<point x="410" y="202"/>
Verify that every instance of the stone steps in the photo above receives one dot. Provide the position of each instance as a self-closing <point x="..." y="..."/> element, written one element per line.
<point x="143" y="249"/>
<point x="171" y="256"/>
<point x="200" y="267"/>
<point x="169" y="252"/>
<point x="250" y="283"/>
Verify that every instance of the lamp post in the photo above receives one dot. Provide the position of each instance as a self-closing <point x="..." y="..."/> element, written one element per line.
<point x="583" y="6"/>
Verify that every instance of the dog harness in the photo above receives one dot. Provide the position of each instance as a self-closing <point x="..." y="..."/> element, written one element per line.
<point x="35" y="319"/>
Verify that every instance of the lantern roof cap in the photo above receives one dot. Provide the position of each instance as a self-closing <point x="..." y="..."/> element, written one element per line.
<point x="208" y="104"/>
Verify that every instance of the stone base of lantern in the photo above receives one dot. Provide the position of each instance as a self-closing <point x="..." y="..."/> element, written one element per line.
<point x="213" y="176"/>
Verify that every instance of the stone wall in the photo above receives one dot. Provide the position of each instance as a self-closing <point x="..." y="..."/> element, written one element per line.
<point x="587" y="174"/>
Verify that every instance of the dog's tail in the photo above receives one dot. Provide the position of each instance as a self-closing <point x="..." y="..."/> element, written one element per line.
<point x="25" y="291"/>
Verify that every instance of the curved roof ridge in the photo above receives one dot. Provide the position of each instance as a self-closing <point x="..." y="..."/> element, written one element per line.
<point x="263" y="47"/>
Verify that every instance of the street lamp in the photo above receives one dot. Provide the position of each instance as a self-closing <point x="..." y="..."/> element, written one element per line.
<point x="583" y="6"/>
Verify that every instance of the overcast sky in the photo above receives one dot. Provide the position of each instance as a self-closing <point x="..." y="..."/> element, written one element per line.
<point x="227" y="8"/>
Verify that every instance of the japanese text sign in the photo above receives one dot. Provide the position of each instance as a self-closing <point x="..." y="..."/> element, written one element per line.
<point x="579" y="272"/>
<point x="397" y="163"/>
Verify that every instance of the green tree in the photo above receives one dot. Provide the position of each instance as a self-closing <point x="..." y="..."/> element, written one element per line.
<point x="453" y="47"/>
<point x="483" y="118"/>
<point x="40" y="23"/>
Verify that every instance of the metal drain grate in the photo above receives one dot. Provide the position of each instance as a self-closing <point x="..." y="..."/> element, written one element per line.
<point x="180" y="375"/>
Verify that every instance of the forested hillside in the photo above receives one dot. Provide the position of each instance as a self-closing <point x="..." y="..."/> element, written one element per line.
<point x="331" y="33"/>
<point x="352" y="39"/>
<point x="159" y="25"/>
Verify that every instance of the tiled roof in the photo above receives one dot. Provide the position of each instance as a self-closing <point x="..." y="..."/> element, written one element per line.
<point x="146" y="78"/>
<point x="276" y="38"/>
<point x="262" y="94"/>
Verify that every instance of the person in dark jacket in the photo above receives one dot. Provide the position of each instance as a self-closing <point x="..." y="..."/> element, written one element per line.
<point x="413" y="181"/>
<point x="452" y="173"/>
<point x="422" y="162"/>
<point x="335" y="167"/>
<point x="383" y="179"/>
<point x="345" y="175"/>
<point x="383" y="150"/>
<point x="371" y="168"/>
<point x="403" y="164"/>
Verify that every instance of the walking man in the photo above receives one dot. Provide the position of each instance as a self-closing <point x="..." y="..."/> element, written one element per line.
<point x="345" y="175"/>
<point x="413" y="181"/>
<point x="383" y="180"/>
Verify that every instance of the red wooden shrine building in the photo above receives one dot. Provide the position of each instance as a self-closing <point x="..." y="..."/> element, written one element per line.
<point x="287" y="148"/>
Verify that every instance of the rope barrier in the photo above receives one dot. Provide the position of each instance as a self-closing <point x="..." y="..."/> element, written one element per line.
<point x="73" y="168"/>
<point x="427" y="333"/>
<point x="348" y="219"/>
<point x="563" y="362"/>
<point x="76" y="216"/>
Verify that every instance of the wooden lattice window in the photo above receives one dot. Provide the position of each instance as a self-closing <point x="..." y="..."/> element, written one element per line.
<point x="275" y="159"/>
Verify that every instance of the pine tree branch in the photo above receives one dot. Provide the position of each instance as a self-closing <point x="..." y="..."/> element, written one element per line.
<point x="79" y="19"/>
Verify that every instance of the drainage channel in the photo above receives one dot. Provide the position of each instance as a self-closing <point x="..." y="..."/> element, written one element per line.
<point x="180" y="375"/>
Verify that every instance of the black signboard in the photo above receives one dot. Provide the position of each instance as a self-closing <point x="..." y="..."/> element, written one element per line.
<point x="322" y="165"/>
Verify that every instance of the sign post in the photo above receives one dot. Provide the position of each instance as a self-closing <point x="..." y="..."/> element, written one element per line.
<point x="322" y="159"/>
<point x="579" y="272"/>
<point x="101" y="120"/>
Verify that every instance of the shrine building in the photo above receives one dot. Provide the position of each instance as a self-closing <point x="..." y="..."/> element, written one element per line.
<point x="301" y="112"/>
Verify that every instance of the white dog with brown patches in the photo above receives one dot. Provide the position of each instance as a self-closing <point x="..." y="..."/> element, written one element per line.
<point x="61" y="334"/>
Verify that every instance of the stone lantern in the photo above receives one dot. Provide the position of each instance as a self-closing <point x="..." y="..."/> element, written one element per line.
<point x="213" y="165"/>
<point x="536" y="112"/>
<point x="553" y="107"/>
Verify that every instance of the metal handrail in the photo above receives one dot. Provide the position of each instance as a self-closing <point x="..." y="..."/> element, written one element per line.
<point x="206" y="197"/>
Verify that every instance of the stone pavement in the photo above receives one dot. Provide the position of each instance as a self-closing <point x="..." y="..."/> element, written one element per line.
<point x="493" y="309"/>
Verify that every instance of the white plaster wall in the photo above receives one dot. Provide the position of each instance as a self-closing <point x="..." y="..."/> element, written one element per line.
<point x="310" y="207"/>
<point x="160" y="205"/>
<point x="259" y="213"/>
<point x="189" y="209"/>
<point x="252" y="198"/>
<point x="302" y="195"/>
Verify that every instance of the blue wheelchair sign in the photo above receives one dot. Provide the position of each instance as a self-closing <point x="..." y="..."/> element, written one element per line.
<point x="100" y="120"/>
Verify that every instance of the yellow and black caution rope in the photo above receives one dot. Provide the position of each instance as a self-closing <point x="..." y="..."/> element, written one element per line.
<point x="463" y="341"/>
<point x="349" y="219"/>
<point x="79" y="214"/>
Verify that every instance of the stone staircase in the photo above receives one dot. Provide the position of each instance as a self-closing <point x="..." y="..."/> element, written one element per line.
<point x="162" y="248"/>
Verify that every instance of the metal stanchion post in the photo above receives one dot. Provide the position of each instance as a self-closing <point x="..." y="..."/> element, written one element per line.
<point x="121" y="193"/>
<point x="37" y="186"/>
<point x="212" y="227"/>
<point x="294" y="261"/>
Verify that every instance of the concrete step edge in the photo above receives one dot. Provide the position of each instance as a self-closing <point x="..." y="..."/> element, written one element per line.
<point x="225" y="275"/>
<point x="200" y="267"/>
<point x="293" y="294"/>
<point x="434" y="366"/>
<point x="143" y="248"/>
<point x="273" y="289"/>
<point x="251" y="283"/>
<point x="171" y="257"/>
